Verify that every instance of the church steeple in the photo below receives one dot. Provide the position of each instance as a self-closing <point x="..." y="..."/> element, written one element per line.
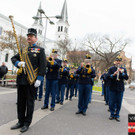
<point x="62" y="24"/>
<point x="64" y="14"/>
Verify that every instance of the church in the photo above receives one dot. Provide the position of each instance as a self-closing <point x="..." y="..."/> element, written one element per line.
<point x="61" y="33"/>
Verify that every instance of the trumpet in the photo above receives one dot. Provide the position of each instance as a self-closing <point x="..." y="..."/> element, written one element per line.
<point x="87" y="66"/>
<point x="50" y="59"/>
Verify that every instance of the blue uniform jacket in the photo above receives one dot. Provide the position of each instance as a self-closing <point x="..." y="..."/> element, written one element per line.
<point x="53" y="70"/>
<point x="64" y="75"/>
<point x="85" y="77"/>
<point x="117" y="85"/>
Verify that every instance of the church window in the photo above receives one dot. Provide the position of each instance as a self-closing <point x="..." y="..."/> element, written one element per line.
<point x="0" y="30"/>
<point x="6" y="57"/>
<point x="58" y="28"/>
<point x="61" y="28"/>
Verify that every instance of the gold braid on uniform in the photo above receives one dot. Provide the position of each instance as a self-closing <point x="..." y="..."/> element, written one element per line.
<point x="32" y="74"/>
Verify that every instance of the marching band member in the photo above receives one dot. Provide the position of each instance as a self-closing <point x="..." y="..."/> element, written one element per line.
<point x="70" y="86"/>
<point x="86" y="72"/>
<point x="64" y="73"/>
<point x="34" y="61"/>
<point x="52" y="76"/>
<point x="75" y="82"/>
<point x="117" y="75"/>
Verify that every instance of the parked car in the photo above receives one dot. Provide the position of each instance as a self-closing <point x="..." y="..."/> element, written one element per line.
<point x="132" y="85"/>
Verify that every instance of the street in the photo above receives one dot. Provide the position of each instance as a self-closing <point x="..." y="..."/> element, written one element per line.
<point x="64" y="121"/>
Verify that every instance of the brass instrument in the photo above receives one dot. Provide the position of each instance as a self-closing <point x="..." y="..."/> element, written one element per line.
<point x="50" y="59"/>
<point x="19" y="51"/>
<point x="87" y="66"/>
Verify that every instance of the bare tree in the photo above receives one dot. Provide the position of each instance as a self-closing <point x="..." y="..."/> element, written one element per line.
<point x="76" y="56"/>
<point x="7" y="41"/>
<point x="105" y="47"/>
<point x="64" y="46"/>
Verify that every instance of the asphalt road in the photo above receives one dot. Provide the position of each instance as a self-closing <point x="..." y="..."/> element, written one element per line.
<point x="64" y="121"/>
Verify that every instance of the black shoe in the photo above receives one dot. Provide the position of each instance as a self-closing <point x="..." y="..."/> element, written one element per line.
<point x="40" y="99"/>
<point x="84" y="113"/>
<point x="18" y="125"/>
<point x="61" y="103"/>
<point x="106" y="103"/>
<point x="24" y="128"/>
<point x="44" y="107"/>
<point x="70" y="99"/>
<point x="51" y="109"/>
<point x="78" y="112"/>
<point x="57" y="102"/>
<point x="108" y="110"/>
<point x="66" y="98"/>
<point x="117" y="119"/>
<point x="111" y="118"/>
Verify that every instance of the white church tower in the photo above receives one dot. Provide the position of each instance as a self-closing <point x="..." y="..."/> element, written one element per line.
<point x="62" y="25"/>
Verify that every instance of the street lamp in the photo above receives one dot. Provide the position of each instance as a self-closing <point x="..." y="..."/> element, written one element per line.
<point x="47" y="18"/>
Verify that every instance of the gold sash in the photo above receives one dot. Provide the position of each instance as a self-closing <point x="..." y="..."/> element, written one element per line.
<point x="32" y="74"/>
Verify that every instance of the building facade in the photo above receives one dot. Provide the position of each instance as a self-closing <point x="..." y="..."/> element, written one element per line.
<point x="48" y="44"/>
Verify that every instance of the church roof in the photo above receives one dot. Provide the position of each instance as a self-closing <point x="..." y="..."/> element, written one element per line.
<point x="64" y="13"/>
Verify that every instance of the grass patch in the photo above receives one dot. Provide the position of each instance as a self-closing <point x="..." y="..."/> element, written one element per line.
<point x="96" y="88"/>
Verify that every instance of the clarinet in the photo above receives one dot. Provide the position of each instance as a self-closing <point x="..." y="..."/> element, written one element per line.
<point x="118" y="72"/>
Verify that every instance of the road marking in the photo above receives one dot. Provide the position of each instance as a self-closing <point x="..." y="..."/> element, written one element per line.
<point x="129" y="107"/>
<point x="38" y="115"/>
<point x="129" y="98"/>
<point x="7" y="92"/>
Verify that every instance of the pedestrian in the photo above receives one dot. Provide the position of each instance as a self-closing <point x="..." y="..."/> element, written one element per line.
<point x="3" y="71"/>
<point x="34" y="66"/>
<point x="86" y="72"/>
<point x="117" y="74"/>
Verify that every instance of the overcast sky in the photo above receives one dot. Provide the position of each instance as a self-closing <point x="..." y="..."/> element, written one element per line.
<point x="113" y="17"/>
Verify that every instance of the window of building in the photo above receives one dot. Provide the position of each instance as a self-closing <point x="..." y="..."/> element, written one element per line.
<point x="61" y="28"/>
<point x="0" y="30"/>
<point x="6" y="57"/>
<point x="58" y="28"/>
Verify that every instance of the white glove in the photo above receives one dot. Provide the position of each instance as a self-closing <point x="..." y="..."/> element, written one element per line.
<point x="37" y="83"/>
<point x="21" y="63"/>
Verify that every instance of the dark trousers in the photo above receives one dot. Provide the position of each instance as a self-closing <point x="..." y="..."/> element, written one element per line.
<point x="84" y="93"/>
<point x="115" y="103"/>
<point x="71" y="88"/>
<point x="25" y="106"/>
<point x="50" y="89"/>
<point x="40" y="88"/>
